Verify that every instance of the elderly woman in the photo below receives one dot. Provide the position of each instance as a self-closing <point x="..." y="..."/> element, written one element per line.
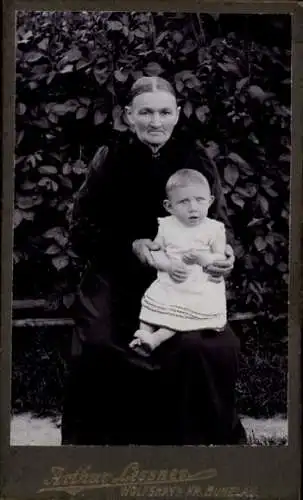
<point x="184" y="394"/>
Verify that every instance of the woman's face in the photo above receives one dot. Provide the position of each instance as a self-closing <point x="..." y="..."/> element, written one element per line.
<point x="153" y="116"/>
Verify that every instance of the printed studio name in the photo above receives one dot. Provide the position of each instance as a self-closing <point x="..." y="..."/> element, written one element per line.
<point x="144" y="483"/>
<point x="132" y="474"/>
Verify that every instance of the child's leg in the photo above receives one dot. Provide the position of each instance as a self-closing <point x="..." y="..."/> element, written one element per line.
<point x="139" y="343"/>
<point x="161" y="335"/>
<point x="146" y="327"/>
<point x="148" y="337"/>
<point x="155" y="338"/>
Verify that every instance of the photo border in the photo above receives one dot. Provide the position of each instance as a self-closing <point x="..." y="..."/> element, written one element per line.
<point x="224" y="472"/>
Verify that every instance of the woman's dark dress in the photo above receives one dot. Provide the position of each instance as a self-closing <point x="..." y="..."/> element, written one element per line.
<point x="184" y="394"/>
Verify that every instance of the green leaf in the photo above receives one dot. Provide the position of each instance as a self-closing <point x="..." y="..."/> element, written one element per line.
<point x="29" y="215"/>
<point x="179" y="86"/>
<point x="121" y="76"/>
<point x="48" y="183"/>
<point x="282" y="267"/>
<point x="68" y="300"/>
<point x="67" y="69"/>
<point x="237" y="200"/>
<point x="17" y="218"/>
<point x="86" y="101"/>
<point x="188" y="109"/>
<point x="67" y="169"/>
<point x="66" y="182"/>
<point x="41" y="123"/>
<point x="271" y="192"/>
<point x="242" y="83"/>
<point x="263" y="204"/>
<point x="60" y="109"/>
<point x="20" y="137"/>
<point x="161" y="37"/>
<point x="230" y="68"/>
<point x="57" y="234"/>
<point x="269" y="259"/>
<point x="60" y="262"/>
<point x="139" y="34"/>
<point x="53" y="250"/>
<point x="249" y="191"/>
<point x="189" y="46"/>
<point x="114" y="25"/>
<point x="25" y="202"/>
<point x="50" y="77"/>
<point x="101" y="75"/>
<point x="81" y="113"/>
<point x="178" y="37"/>
<point x="72" y="254"/>
<point x="33" y="85"/>
<point x="20" y="108"/>
<point x="82" y="64"/>
<point x="79" y="167"/>
<point x="48" y="169"/>
<point x="212" y="149"/>
<point x="231" y="174"/>
<point x="270" y="240"/>
<point x="33" y="56"/>
<point x="117" y="117"/>
<point x="238" y="160"/>
<point x="153" y="69"/>
<point x="72" y="55"/>
<point x="255" y="222"/>
<point x="201" y="113"/>
<point x="43" y="45"/>
<point x="99" y="117"/>
<point x="257" y="93"/>
<point x="28" y="186"/>
<point x="285" y="158"/>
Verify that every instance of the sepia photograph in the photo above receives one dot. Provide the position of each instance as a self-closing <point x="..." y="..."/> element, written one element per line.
<point x="152" y="173"/>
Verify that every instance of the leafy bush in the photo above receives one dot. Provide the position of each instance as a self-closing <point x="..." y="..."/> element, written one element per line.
<point x="232" y="77"/>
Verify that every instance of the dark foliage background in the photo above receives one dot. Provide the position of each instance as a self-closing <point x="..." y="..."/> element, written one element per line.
<point x="232" y="76"/>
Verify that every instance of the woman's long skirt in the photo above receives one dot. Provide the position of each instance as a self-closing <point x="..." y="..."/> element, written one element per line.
<point x="183" y="395"/>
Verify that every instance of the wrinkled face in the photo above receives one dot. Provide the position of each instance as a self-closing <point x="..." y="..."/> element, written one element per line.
<point x="190" y="203"/>
<point x="153" y="116"/>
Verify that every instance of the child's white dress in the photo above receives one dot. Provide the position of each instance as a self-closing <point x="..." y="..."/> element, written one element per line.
<point x="197" y="303"/>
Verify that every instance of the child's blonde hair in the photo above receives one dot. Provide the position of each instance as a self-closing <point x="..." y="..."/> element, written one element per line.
<point x="184" y="178"/>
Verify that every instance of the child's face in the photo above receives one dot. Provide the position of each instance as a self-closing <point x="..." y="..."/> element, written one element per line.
<point x="190" y="203"/>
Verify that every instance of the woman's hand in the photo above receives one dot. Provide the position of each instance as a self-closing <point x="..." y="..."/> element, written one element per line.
<point x="201" y="258"/>
<point x="222" y="268"/>
<point x="143" y="248"/>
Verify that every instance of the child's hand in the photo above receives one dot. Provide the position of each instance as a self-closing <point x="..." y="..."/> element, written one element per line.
<point x="191" y="258"/>
<point x="202" y="258"/>
<point x="178" y="272"/>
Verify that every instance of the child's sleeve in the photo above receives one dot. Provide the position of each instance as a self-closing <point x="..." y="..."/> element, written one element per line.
<point x="218" y="243"/>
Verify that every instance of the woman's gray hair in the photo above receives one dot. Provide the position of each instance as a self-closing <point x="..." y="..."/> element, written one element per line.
<point x="149" y="84"/>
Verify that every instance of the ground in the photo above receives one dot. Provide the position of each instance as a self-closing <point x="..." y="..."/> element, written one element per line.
<point x="27" y="431"/>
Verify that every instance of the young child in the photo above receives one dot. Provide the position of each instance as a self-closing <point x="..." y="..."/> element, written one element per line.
<point x="184" y="297"/>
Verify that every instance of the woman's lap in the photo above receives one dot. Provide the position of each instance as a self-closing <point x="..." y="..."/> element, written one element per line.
<point x="185" y="397"/>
